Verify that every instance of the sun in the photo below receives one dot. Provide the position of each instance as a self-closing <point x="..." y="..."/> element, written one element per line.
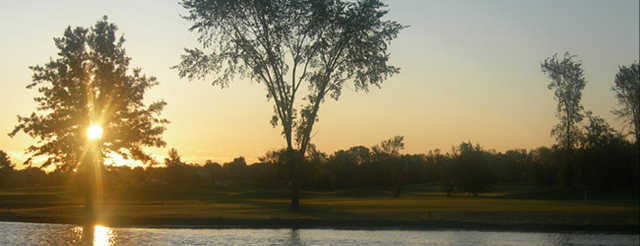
<point x="94" y="132"/>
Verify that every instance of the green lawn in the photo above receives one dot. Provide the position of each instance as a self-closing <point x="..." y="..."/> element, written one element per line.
<point x="418" y="205"/>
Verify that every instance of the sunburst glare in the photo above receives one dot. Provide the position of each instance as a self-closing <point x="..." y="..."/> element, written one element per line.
<point x="102" y="236"/>
<point x="94" y="132"/>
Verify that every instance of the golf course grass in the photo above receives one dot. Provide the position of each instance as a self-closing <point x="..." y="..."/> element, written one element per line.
<point x="419" y="206"/>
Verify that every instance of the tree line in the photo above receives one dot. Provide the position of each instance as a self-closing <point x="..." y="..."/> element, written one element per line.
<point x="604" y="163"/>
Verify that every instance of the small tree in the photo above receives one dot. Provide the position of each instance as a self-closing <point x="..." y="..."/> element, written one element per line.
<point x="389" y="151"/>
<point x="5" y="162"/>
<point x="6" y="168"/>
<point x="292" y="47"/>
<point x="567" y="81"/>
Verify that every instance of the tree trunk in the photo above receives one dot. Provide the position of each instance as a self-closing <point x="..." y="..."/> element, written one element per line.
<point x="292" y="159"/>
<point x="92" y="165"/>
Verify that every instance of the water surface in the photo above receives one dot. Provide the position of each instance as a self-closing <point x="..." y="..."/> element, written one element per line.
<point x="15" y="233"/>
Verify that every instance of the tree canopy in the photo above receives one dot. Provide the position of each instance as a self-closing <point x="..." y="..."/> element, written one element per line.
<point x="91" y="82"/>
<point x="567" y="81"/>
<point x="5" y="163"/>
<point x="627" y="89"/>
<point x="290" y="45"/>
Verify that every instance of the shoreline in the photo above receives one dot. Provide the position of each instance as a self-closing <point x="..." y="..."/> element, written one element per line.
<point x="207" y="223"/>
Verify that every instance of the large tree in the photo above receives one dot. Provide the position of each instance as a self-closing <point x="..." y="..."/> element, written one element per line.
<point x="91" y="82"/>
<point x="298" y="49"/>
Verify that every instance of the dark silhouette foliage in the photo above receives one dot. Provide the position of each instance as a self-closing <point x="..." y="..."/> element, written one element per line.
<point x="6" y="168"/>
<point x="470" y="170"/>
<point x="567" y="81"/>
<point x="91" y="81"/>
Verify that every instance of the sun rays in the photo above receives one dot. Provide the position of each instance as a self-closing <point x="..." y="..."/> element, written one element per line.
<point x="94" y="132"/>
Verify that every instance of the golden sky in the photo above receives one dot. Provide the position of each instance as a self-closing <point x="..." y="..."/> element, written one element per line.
<point x="470" y="70"/>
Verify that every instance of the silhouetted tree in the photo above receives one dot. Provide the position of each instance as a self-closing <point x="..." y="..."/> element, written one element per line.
<point x="173" y="158"/>
<point x="390" y="146"/>
<point x="388" y="151"/>
<point x="6" y="168"/>
<point x="90" y="82"/>
<point x="470" y="169"/>
<point x="5" y="162"/>
<point x="627" y="89"/>
<point x="567" y="81"/>
<point x="605" y="157"/>
<point x="285" y="44"/>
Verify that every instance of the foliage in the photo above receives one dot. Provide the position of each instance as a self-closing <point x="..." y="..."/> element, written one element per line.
<point x="91" y="82"/>
<point x="470" y="169"/>
<point x="567" y="79"/>
<point x="390" y="146"/>
<point x="627" y="89"/>
<point x="5" y="163"/>
<point x="6" y="168"/>
<point x="317" y="44"/>
<point x="606" y="165"/>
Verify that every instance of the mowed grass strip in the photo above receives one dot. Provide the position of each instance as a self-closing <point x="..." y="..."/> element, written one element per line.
<point x="413" y="207"/>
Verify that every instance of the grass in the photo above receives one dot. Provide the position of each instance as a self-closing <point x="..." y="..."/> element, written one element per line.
<point x="418" y="206"/>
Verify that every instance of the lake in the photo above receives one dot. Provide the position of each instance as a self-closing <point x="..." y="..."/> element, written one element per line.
<point x="15" y="233"/>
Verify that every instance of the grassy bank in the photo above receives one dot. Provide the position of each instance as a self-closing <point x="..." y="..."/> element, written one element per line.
<point x="419" y="207"/>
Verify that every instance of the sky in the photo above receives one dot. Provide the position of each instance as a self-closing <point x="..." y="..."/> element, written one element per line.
<point x="470" y="71"/>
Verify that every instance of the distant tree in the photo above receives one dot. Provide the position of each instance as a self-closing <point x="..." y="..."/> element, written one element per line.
<point x="6" y="168"/>
<point x="315" y="155"/>
<point x="317" y="168"/>
<point x="5" y="162"/>
<point x="173" y="158"/>
<point x="470" y="169"/>
<point x="627" y="89"/>
<point x="605" y="157"/>
<point x="388" y="151"/>
<point x="284" y="44"/>
<point x="567" y="81"/>
<point x="212" y="165"/>
<point x="90" y="82"/>
<point x="390" y="146"/>
<point x="597" y="132"/>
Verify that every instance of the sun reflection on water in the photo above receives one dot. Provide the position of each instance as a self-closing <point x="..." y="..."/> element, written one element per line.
<point x="102" y="236"/>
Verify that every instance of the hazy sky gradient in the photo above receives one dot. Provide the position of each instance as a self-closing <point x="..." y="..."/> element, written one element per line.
<point x="470" y="70"/>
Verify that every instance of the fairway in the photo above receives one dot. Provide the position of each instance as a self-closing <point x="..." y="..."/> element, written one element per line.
<point x="368" y="207"/>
